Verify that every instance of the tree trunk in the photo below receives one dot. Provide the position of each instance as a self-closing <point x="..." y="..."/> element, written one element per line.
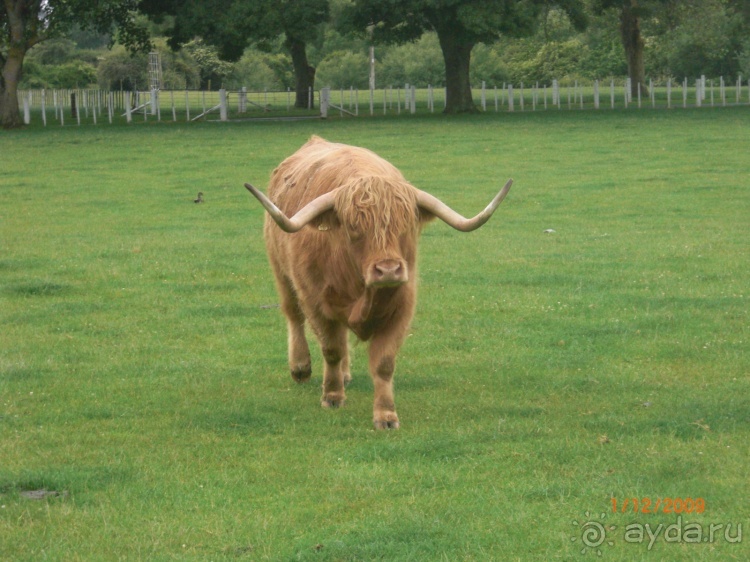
<point x="20" y="39"/>
<point x="304" y="74"/>
<point x="630" y="29"/>
<point x="457" y="56"/>
<point x="10" y="116"/>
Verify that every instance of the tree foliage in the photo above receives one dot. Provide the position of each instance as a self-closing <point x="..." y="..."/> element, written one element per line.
<point x="233" y="25"/>
<point x="460" y="25"/>
<point x="682" y="38"/>
<point x="25" y="23"/>
<point x="698" y="38"/>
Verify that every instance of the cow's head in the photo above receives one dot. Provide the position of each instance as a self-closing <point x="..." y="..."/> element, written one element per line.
<point x="381" y="219"/>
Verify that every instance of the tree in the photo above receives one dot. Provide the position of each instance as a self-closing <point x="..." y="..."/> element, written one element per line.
<point x="698" y="37"/>
<point x="631" y="13"/>
<point x="210" y="67"/>
<point x="460" y="25"/>
<point x="232" y="25"/>
<point x="25" y="23"/>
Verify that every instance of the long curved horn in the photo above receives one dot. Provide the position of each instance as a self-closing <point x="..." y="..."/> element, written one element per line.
<point x="307" y="213"/>
<point x="444" y="212"/>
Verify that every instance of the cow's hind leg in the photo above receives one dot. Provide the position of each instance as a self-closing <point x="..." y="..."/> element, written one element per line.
<point x="299" y="351"/>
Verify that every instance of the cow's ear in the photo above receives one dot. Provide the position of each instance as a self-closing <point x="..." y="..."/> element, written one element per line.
<point x="326" y="221"/>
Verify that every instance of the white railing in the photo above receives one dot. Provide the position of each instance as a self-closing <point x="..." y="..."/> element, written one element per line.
<point x="97" y="106"/>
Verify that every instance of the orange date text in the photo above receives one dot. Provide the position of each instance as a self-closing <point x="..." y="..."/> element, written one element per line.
<point x="658" y="505"/>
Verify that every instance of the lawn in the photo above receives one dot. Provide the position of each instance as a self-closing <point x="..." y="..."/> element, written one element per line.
<point x="549" y="376"/>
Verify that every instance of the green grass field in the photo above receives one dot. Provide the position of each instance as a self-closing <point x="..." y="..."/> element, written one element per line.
<point x="143" y="371"/>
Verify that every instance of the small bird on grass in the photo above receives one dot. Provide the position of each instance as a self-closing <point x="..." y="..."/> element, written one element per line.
<point x="200" y="198"/>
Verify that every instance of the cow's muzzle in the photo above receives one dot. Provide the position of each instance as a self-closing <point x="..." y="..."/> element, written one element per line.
<point x="387" y="273"/>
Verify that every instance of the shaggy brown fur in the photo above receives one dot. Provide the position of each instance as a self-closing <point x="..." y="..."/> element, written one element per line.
<point x="326" y="273"/>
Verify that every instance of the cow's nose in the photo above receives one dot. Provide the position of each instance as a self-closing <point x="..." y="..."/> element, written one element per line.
<point x="388" y="273"/>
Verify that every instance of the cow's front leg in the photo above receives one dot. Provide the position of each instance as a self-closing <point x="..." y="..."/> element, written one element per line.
<point x="298" y="350"/>
<point x="382" y="367"/>
<point x="334" y="345"/>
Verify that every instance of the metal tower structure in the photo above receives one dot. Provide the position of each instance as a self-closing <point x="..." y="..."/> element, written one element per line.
<point x="154" y="71"/>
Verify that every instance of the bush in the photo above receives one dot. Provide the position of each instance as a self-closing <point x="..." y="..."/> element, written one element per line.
<point x="488" y="66"/>
<point x="419" y="63"/>
<point x="743" y="58"/>
<point x="706" y="43"/>
<point x="253" y="72"/>
<point x="343" y="69"/>
<point x="75" y="74"/>
<point x="120" y="70"/>
<point x="53" y="52"/>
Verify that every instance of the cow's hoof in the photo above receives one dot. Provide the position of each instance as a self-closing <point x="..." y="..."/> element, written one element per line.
<point x="386" y="420"/>
<point x="302" y="374"/>
<point x="333" y="400"/>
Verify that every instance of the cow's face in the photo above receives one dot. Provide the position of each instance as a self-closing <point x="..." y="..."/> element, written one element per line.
<point x="381" y="223"/>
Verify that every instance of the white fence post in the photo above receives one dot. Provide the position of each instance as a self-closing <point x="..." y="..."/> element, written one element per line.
<point x="510" y="97"/>
<point x="628" y="92"/>
<point x="684" y="93"/>
<point x="739" y="88"/>
<point x="556" y="93"/>
<point x="669" y="93"/>
<point x="651" y="92"/>
<point x="223" y="104"/>
<point x="26" y="110"/>
<point x="243" y="100"/>
<point x="325" y="100"/>
<point x="128" y="115"/>
<point x="596" y="94"/>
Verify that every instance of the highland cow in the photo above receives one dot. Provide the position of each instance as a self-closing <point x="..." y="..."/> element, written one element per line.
<point x="347" y="259"/>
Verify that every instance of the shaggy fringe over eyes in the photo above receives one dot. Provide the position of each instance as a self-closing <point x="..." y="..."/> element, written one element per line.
<point x="377" y="208"/>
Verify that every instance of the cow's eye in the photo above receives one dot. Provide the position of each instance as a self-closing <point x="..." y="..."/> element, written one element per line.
<point x="355" y="236"/>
